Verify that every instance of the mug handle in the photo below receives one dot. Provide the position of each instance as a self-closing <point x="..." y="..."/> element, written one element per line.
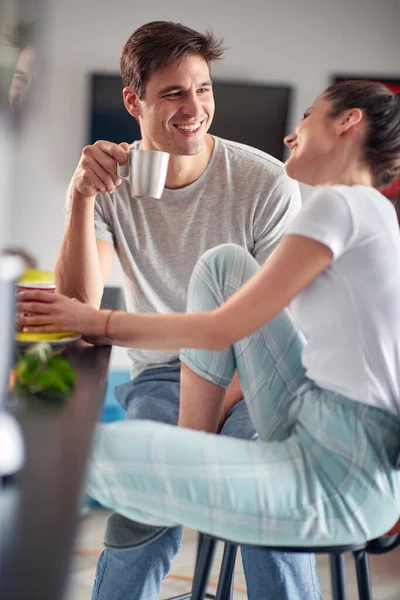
<point x="124" y="170"/>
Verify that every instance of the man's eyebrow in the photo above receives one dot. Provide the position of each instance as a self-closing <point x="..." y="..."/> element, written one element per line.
<point x="178" y="88"/>
<point x="19" y="72"/>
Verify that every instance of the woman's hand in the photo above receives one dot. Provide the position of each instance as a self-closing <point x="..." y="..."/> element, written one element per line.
<point x="45" y="312"/>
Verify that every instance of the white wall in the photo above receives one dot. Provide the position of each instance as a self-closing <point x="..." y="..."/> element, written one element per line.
<point x="299" y="42"/>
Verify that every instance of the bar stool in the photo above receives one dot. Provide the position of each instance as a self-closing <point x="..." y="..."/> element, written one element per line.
<point x="207" y="545"/>
<point x="205" y="555"/>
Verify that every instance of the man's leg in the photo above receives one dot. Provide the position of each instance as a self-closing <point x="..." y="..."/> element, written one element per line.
<point x="270" y="574"/>
<point x="137" y="573"/>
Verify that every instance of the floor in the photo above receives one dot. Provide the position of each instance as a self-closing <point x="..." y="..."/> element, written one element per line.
<point x="385" y="569"/>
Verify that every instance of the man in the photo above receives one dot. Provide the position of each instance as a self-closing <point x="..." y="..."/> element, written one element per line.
<point x="23" y="39"/>
<point x="216" y="191"/>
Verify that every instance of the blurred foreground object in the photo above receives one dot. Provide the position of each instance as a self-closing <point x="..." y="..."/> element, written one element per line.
<point x="11" y="443"/>
<point x="42" y="372"/>
<point x="29" y="260"/>
<point x="23" y="40"/>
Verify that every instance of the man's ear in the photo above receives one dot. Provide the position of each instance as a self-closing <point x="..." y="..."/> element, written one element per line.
<point x="349" y="119"/>
<point x="131" y="101"/>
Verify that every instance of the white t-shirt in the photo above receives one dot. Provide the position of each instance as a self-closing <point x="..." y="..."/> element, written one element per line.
<point x="350" y="314"/>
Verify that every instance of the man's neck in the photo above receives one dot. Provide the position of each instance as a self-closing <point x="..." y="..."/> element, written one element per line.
<point x="184" y="170"/>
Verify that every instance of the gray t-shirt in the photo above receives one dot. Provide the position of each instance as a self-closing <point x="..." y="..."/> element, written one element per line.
<point x="243" y="197"/>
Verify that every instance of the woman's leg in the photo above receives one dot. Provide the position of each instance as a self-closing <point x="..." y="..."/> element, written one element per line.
<point x="163" y="475"/>
<point x="328" y="483"/>
<point x="270" y="371"/>
<point x="200" y="402"/>
<point x="268" y="361"/>
<point x="315" y="483"/>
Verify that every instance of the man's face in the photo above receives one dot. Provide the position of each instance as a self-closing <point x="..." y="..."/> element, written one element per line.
<point x="22" y="79"/>
<point x="177" y="109"/>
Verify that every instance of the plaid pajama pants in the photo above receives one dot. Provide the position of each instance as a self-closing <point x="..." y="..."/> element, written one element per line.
<point x="323" y="470"/>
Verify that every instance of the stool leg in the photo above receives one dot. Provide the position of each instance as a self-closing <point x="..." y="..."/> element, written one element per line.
<point x="200" y="539"/>
<point x="337" y="576"/>
<point x="363" y="579"/>
<point x="225" y="580"/>
<point x="203" y="567"/>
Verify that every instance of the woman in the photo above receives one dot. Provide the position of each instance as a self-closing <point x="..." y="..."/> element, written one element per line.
<point x="328" y="412"/>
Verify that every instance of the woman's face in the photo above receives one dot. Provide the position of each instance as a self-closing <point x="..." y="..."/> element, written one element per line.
<point x="313" y="144"/>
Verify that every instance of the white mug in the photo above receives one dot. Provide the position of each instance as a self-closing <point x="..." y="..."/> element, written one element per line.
<point x="146" y="172"/>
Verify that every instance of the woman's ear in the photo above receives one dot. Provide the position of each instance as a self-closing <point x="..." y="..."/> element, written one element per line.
<point x="349" y="119"/>
<point x="131" y="101"/>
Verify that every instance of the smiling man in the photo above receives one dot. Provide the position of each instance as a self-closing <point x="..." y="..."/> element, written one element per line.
<point x="175" y="114"/>
<point x="216" y="191"/>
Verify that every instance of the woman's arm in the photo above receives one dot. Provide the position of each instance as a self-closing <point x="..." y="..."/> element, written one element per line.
<point x="294" y="264"/>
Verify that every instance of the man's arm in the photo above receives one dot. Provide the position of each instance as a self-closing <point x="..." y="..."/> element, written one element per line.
<point x="273" y="216"/>
<point x="84" y="263"/>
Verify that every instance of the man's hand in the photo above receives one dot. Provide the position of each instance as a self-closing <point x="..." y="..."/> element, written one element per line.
<point x="97" y="168"/>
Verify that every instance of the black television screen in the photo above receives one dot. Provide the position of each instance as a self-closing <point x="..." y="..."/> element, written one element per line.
<point x="249" y="113"/>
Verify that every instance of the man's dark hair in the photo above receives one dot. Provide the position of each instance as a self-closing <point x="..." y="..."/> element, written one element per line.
<point x="159" y="43"/>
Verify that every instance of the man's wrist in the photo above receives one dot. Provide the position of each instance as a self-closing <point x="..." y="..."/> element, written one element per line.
<point x="80" y="200"/>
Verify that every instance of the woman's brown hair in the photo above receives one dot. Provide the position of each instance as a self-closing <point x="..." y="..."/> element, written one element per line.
<point x="381" y="108"/>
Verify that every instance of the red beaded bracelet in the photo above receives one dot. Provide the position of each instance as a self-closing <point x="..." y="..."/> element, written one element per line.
<point x="107" y="323"/>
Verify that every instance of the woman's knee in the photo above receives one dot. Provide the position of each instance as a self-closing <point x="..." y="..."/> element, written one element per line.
<point x="230" y="264"/>
<point x="218" y="274"/>
<point x="224" y="253"/>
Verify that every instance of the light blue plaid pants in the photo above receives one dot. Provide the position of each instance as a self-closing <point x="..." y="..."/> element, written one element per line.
<point x="322" y="472"/>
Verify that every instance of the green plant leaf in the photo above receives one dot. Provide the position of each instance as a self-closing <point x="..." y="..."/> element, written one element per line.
<point x="59" y="364"/>
<point x="27" y="367"/>
<point x="41" y="372"/>
<point x="49" y="378"/>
